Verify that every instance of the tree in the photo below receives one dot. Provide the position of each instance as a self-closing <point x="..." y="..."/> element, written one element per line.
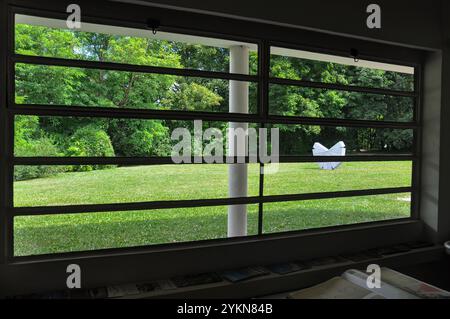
<point x="69" y="136"/>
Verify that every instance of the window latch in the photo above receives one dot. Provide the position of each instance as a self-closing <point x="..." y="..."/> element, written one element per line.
<point x="354" y="53"/>
<point x="153" y="25"/>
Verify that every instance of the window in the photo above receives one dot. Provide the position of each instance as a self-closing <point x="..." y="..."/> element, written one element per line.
<point x="57" y="233"/>
<point x="86" y="185"/>
<point x="94" y="111"/>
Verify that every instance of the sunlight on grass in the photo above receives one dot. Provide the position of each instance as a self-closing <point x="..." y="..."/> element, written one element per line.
<point x="75" y="232"/>
<point x="290" y="216"/>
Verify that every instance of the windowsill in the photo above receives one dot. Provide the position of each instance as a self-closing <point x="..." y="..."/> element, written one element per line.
<point x="178" y="247"/>
<point x="157" y="263"/>
<point x="274" y="284"/>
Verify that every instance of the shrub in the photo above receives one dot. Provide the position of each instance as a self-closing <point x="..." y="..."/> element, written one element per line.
<point x="137" y="138"/>
<point x="42" y="146"/>
<point x="90" y="141"/>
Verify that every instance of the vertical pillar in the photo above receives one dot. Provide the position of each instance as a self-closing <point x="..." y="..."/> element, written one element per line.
<point x="237" y="173"/>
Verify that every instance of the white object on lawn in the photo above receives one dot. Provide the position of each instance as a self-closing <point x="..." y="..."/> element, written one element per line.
<point x="337" y="150"/>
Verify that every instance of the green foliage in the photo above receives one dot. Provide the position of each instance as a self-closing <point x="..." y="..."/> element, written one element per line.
<point x="26" y="129"/>
<point x="191" y="97"/>
<point x="42" y="145"/>
<point x="89" y="141"/>
<point x="46" y="136"/>
<point x="29" y="141"/>
<point x="139" y="138"/>
<point x="31" y="172"/>
<point x="309" y="102"/>
<point x="37" y="40"/>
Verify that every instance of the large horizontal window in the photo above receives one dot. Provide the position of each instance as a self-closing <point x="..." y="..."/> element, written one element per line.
<point x="294" y="216"/>
<point x="64" y="136"/>
<point x="91" y="137"/>
<point x="322" y="103"/>
<point x="114" y="127"/>
<point x="299" y="140"/>
<point x="47" y="234"/>
<point x="318" y="67"/>
<point x="303" y="178"/>
<point x="36" y="36"/>
<point x="64" y="86"/>
<point x="100" y="184"/>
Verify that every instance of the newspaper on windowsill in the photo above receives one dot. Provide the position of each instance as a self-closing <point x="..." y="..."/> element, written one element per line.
<point x="352" y="284"/>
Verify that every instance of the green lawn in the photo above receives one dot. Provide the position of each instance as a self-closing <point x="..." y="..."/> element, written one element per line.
<point x="63" y="233"/>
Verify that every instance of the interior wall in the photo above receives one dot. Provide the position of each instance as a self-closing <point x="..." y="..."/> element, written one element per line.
<point x="423" y="32"/>
<point x="431" y="112"/>
<point x="414" y="23"/>
<point x="444" y="181"/>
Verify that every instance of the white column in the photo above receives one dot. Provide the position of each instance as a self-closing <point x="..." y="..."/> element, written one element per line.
<point x="237" y="173"/>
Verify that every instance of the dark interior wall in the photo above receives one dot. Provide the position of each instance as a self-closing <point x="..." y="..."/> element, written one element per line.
<point x="431" y="130"/>
<point x="444" y="171"/>
<point x="408" y="22"/>
<point x="418" y="26"/>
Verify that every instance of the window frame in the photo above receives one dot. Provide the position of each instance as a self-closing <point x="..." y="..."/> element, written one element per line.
<point x="10" y="109"/>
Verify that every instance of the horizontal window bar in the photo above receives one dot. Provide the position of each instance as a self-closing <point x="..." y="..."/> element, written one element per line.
<point x="303" y="178"/>
<point x="287" y="100"/>
<point x="349" y="158"/>
<point x="98" y="208"/>
<point x="310" y="65"/>
<point x="17" y="58"/>
<point x="21" y="260"/>
<point x="48" y="210"/>
<point x="50" y="110"/>
<point x="406" y="57"/>
<point x="276" y="119"/>
<point x="106" y="252"/>
<point x="317" y="214"/>
<point x="46" y="85"/>
<point x="341" y="87"/>
<point x="53" y="185"/>
<point x="37" y="235"/>
<point x="325" y="195"/>
<point x="204" y="160"/>
<point x="304" y="140"/>
<point x="82" y="111"/>
<point x="122" y="44"/>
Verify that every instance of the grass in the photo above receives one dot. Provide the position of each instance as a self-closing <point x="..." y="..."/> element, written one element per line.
<point x="75" y="232"/>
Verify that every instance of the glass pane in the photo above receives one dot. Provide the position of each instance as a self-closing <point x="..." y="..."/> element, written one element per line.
<point x="303" y="178"/>
<point x="320" y="103"/>
<point x="55" y="85"/>
<point x="104" y="43"/>
<point x="46" y="234"/>
<point x="292" y="216"/>
<point x="296" y="140"/>
<point x="55" y="136"/>
<point x="310" y="66"/>
<point x="77" y="185"/>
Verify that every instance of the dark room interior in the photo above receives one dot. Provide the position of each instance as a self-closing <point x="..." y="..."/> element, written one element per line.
<point x="162" y="149"/>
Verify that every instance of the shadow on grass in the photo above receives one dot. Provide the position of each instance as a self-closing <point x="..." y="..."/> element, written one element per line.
<point x="76" y="235"/>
